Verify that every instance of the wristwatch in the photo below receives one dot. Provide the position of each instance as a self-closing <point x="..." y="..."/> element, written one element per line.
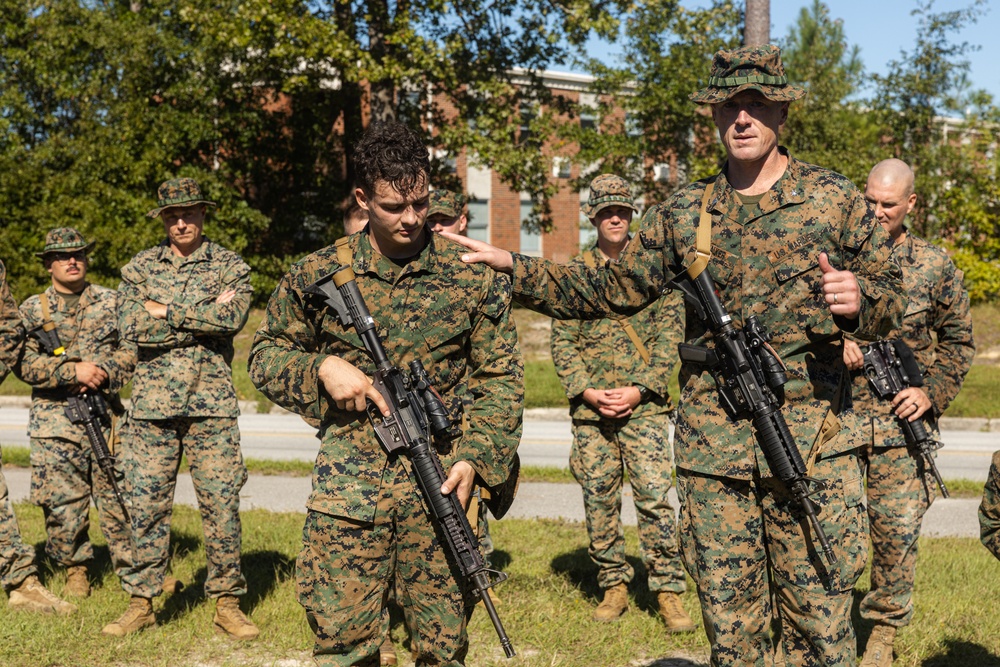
<point x="644" y="393"/>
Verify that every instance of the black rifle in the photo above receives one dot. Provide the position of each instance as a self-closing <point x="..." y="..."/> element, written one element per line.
<point x="417" y="414"/>
<point x="88" y="409"/>
<point x="748" y="371"/>
<point x="890" y="368"/>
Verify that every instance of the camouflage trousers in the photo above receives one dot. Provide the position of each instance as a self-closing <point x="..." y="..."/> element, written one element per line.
<point x="153" y="449"/>
<point x="17" y="559"/>
<point x="748" y="546"/>
<point x="64" y="478"/>
<point x="601" y="453"/>
<point x="347" y="568"/>
<point x="899" y="493"/>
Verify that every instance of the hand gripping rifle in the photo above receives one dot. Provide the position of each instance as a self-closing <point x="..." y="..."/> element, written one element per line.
<point x="747" y="371"/>
<point x="417" y="415"/>
<point x="890" y="368"/>
<point x="88" y="409"/>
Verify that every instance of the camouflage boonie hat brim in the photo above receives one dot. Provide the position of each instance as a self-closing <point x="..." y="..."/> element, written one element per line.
<point x="445" y="202"/>
<point x="608" y="190"/>
<point x="749" y="68"/>
<point x="64" y="239"/>
<point x="178" y="192"/>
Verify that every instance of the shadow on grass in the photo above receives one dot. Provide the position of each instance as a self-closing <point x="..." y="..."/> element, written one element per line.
<point x="963" y="653"/>
<point x="264" y="571"/>
<point x="580" y="571"/>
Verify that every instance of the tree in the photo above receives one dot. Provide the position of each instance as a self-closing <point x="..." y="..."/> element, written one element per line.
<point x="261" y="101"/>
<point x="947" y="134"/>
<point x="644" y="115"/>
<point x="829" y="126"/>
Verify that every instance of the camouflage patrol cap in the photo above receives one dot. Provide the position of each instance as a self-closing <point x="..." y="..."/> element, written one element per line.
<point x="64" y="239"/>
<point x="446" y="202"/>
<point x="748" y="68"/>
<point x="178" y="192"/>
<point x="608" y="190"/>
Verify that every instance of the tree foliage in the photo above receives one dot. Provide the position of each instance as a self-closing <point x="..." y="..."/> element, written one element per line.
<point x="644" y="115"/>
<point x="830" y="126"/>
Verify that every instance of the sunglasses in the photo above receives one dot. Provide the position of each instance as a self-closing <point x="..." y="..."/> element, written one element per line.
<point x="79" y="256"/>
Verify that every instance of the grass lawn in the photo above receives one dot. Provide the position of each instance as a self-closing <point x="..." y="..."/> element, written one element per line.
<point x="546" y="607"/>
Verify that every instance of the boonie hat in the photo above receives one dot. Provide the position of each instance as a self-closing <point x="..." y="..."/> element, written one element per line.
<point x="445" y="202"/>
<point x="64" y="239"/>
<point x="748" y="68"/>
<point x="608" y="190"/>
<point x="178" y="192"/>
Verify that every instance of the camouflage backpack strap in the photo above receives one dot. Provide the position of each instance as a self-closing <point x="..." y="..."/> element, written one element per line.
<point x="47" y="324"/>
<point x="623" y="322"/>
<point x="703" y="241"/>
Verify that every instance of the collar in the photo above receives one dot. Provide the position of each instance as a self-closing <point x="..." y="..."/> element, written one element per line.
<point x="368" y="261"/>
<point x="786" y="191"/>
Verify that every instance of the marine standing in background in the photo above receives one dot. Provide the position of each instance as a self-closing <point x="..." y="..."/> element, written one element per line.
<point x="64" y="469"/>
<point x="368" y="528"/>
<point x="796" y="246"/>
<point x="616" y="373"/>
<point x="182" y="303"/>
<point x="989" y="509"/>
<point x="18" y="571"/>
<point x="937" y="327"/>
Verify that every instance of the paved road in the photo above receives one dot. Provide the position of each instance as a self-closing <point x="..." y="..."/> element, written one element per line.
<point x="545" y="442"/>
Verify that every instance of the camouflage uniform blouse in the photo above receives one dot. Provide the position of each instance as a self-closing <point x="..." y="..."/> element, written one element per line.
<point x="989" y="509"/>
<point x="600" y="354"/>
<point x="765" y="265"/>
<point x="11" y="329"/>
<point x="184" y="362"/>
<point x="90" y="333"/>
<point x="937" y="326"/>
<point x="453" y="317"/>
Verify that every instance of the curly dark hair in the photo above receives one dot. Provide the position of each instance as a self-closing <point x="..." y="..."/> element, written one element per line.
<point x="391" y="151"/>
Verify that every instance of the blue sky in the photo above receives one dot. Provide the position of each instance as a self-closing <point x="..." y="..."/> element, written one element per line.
<point x="883" y="28"/>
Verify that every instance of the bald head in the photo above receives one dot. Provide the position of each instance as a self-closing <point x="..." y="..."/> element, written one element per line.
<point x="889" y="190"/>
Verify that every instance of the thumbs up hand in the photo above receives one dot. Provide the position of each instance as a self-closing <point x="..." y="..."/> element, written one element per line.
<point x="840" y="289"/>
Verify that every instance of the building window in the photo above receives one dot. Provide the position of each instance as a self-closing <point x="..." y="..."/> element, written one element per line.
<point x="633" y="126"/>
<point x="588" y="119"/>
<point x="531" y="241"/>
<point x="561" y="167"/>
<point x="479" y="220"/>
<point x="588" y="233"/>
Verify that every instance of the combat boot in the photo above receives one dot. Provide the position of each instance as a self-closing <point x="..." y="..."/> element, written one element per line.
<point x="30" y="595"/>
<point x="139" y="615"/>
<point x="77" y="584"/>
<point x="878" y="652"/>
<point x="229" y="620"/>
<point x="387" y="652"/>
<point x="673" y="614"/>
<point x="614" y="604"/>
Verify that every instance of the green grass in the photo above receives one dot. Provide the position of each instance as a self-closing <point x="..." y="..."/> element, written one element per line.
<point x="980" y="395"/>
<point x="542" y="388"/>
<point x="546" y="606"/>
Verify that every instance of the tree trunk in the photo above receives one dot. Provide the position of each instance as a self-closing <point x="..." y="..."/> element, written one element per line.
<point x="757" y="28"/>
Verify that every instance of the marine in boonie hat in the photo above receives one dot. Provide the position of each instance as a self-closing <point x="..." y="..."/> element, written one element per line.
<point x="64" y="239"/>
<point x="608" y="190"/>
<point x="178" y="192"/>
<point x="446" y="202"/>
<point x="748" y="68"/>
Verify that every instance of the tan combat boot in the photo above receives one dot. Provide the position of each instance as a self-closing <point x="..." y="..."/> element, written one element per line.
<point x="77" y="584"/>
<point x="878" y="652"/>
<point x="139" y="615"/>
<point x="387" y="652"/>
<point x="30" y="595"/>
<point x="673" y="614"/>
<point x="229" y="620"/>
<point x="614" y="604"/>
